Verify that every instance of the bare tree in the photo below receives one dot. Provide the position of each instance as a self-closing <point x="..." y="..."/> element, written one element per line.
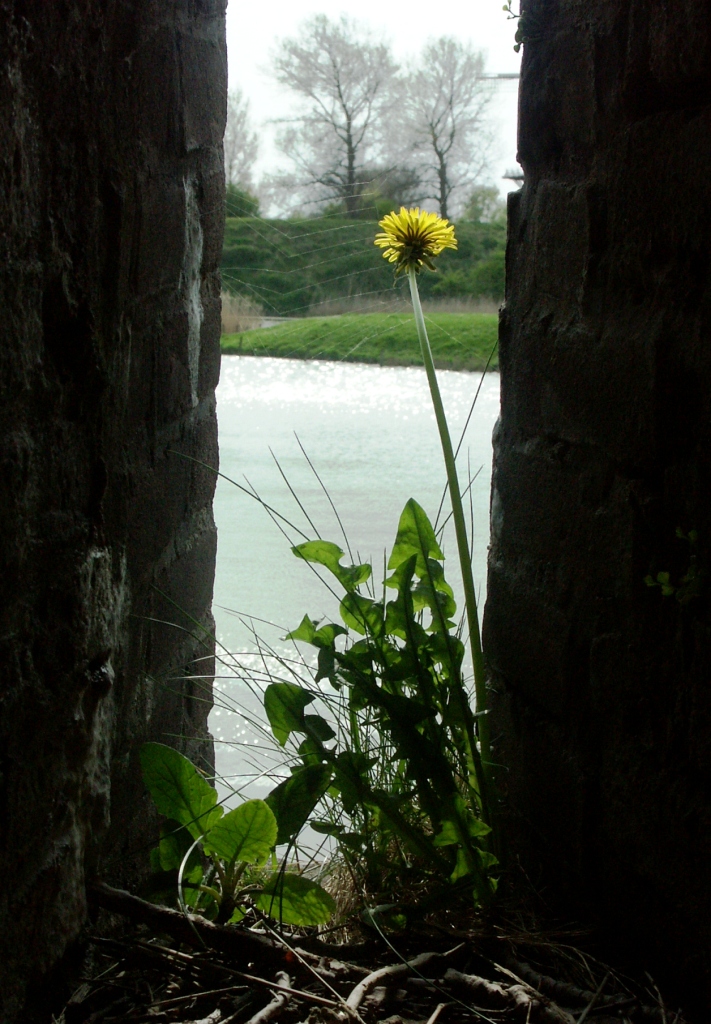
<point x="444" y="120"/>
<point x="344" y="78"/>
<point x="241" y="144"/>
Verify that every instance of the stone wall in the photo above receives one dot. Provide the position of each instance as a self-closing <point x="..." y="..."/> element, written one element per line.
<point x="602" y="685"/>
<point x="111" y="213"/>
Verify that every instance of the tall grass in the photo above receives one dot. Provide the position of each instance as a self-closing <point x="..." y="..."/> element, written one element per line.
<point x="240" y="313"/>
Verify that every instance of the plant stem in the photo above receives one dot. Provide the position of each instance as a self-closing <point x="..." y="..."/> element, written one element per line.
<point x="462" y="544"/>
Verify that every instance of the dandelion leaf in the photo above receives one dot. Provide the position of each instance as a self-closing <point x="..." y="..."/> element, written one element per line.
<point x="246" y="833"/>
<point x="415" y="536"/>
<point x="323" y="552"/>
<point x="296" y="900"/>
<point x="284" y="704"/>
<point x="178" y="790"/>
<point x="293" y="800"/>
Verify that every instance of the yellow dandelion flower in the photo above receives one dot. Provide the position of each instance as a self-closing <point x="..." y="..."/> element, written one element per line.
<point x="412" y="238"/>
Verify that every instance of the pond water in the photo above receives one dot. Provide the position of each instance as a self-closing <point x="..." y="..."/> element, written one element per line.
<point x="371" y="436"/>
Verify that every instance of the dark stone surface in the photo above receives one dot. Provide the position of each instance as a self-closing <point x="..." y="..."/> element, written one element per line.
<point x="111" y="213"/>
<point x="602" y="686"/>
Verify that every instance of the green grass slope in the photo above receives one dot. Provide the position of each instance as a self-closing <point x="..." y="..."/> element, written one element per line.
<point x="460" y="341"/>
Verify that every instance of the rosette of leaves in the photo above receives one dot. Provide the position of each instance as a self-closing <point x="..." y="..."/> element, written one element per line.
<point x="396" y="772"/>
<point x="216" y="861"/>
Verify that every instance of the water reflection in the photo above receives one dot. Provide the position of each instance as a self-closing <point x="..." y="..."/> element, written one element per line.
<point x="371" y="435"/>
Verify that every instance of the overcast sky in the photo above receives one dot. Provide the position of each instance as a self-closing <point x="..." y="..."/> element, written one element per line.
<point x="254" y="27"/>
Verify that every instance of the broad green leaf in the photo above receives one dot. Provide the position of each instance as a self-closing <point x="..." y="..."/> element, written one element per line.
<point x="166" y="859"/>
<point x="351" y="777"/>
<point x="304" y="631"/>
<point x="325" y="636"/>
<point x="446" y="650"/>
<point x="284" y="704"/>
<point x="362" y="614"/>
<point x="293" y="800"/>
<point x="352" y="841"/>
<point x="245" y="834"/>
<point x="488" y="860"/>
<point x="327" y="666"/>
<point x="415" y="536"/>
<point x="296" y="900"/>
<point x="400" y="615"/>
<point x="311" y="751"/>
<point x="322" y="552"/>
<point x="462" y="868"/>
<point x="322" y="637"/>
<point x="319" y="728"/>
<point x="435" y="593"/>
<point x="326" y="828"/>
<point x="448" y="835"/>
<point x="178" y="789"/>
<point x="476" y="827"/>
<point x="175" y="841"/>
<point x="412" y="836"/>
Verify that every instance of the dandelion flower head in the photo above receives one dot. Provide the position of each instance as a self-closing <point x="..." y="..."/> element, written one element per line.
<point x="412" y="238"/>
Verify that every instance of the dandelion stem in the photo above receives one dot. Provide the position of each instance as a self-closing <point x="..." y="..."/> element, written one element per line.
<point x="462" y="546"/>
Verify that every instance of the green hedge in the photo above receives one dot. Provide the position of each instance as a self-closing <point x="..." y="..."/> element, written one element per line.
<point x="290" y="266"/>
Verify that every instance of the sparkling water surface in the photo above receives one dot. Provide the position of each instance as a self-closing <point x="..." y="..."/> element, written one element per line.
<point x="371" y="435"/>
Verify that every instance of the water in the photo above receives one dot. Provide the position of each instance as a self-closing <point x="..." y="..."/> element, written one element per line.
<point x="371" y="434"/>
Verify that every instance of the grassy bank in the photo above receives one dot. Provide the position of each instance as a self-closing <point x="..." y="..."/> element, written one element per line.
<point x="460" y="341"/>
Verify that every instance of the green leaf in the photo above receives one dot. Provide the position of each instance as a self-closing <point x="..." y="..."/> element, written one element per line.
<point x="448" y="836"/>
<point x="362" y="614"/>
<point x="326" y="828"/>
<point x="319" y="728"/>
<point x="415" y="536"/>
<point x="305" y="631"/>
<point x="296" y="900"/>
<point x="175" y="841"/>
<point x="293" y="800"/>
<point x="435" y="593"/>
<point x="476" y="827"/>
<point x="326" y="635"/>
<point x="324" y="553"/>
<point x="462" y="867"/>
<point x="284" y="704"/>
<point x="488" y="860"/>
<point x="322" y="637"/>
<point x="417" y="840"/>
<point x="310" y="752"/>
<point x="352" y="841"/>
<point x="245" y="834"/>
<point x="327" y="666"/>
<point x="178" y="789"/>
<point x="351" y="775"/>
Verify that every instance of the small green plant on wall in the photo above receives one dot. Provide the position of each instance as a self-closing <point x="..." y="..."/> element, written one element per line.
<point x="690" y="583"/>
<point x="215" y="861"/>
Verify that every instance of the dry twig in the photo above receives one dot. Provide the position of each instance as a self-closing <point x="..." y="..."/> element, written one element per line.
<point x="281" y="998"/>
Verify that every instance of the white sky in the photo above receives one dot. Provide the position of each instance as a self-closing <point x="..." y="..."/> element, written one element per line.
<point x="254" y="26"/>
